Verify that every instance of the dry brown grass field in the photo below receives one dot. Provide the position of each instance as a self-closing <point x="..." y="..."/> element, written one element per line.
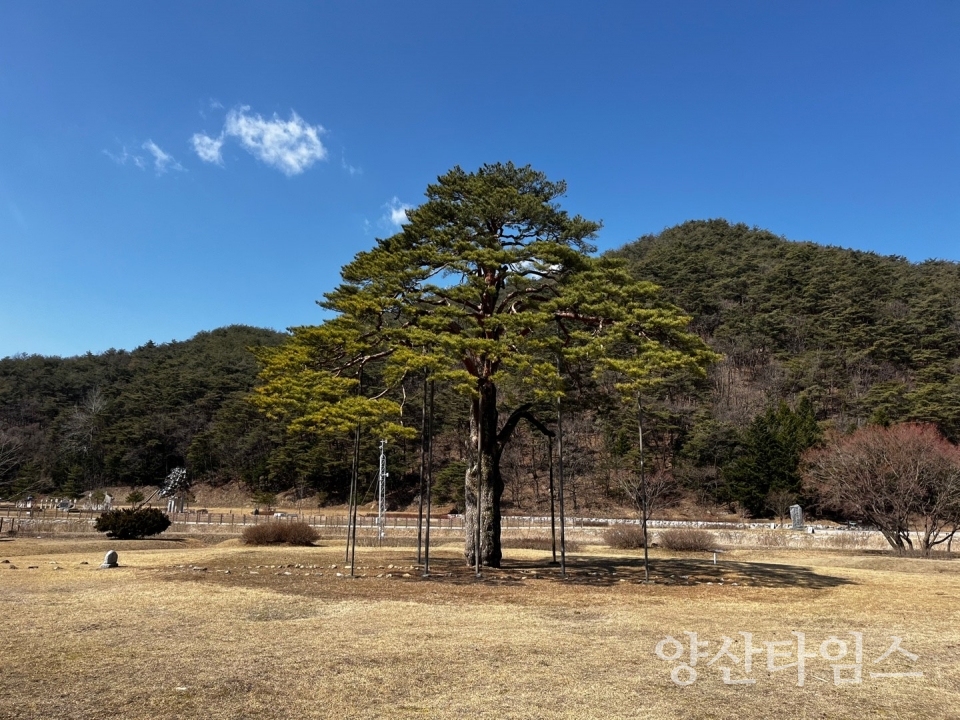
<point x="192" y="628"/>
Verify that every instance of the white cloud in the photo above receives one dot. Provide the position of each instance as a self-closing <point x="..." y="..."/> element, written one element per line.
<point x="208" y="148"/>
<point x="161" y="161"/>
<point x="291" y="146"/>
<point x="350" y="169"/>
<point x="395" y="215"/>
<point x="124" y="157"/>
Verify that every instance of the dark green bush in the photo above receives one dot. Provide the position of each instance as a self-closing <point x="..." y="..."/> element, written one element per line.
<point x="128" y="524"/>
<point x="271" y="533"/>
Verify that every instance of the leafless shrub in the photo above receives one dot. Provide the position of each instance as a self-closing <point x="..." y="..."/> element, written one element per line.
<point x="272" y="533"/>
<point x="688" y="539"/>
<point x="624" y="536"/>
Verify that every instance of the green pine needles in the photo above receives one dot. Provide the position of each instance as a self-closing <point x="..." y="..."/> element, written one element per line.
<point x="492" y="289"/>
<point x="130" y="524"/>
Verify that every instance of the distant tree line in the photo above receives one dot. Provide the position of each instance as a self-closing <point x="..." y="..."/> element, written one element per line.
<point x="816" y="342"/>
<point x="130" y="417"/>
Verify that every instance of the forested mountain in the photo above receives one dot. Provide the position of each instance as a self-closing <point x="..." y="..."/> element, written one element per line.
<point x="866" y="338"/>
<point x="845" y="336"/>
<point x="813" y="339"/>
<point x="130" y="417"/>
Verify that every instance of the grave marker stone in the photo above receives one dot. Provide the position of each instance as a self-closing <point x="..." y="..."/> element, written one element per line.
<point x="796" y="517"/>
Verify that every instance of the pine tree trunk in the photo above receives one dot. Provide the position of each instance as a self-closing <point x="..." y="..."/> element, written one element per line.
<point x="484" y="447"/>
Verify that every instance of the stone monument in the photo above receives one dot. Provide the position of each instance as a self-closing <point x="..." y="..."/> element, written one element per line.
<point x="796" y="517"/>
<point x="110" y="560"/>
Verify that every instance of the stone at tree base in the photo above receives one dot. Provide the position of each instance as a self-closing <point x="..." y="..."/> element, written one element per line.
<point x="110" y="560"/>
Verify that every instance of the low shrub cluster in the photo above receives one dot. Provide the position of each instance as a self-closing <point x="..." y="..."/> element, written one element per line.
<point x="688" y="539"/>
<point x="273" y="533"/>
<point x="129" y="524"/>
<point x="624" y="536"/>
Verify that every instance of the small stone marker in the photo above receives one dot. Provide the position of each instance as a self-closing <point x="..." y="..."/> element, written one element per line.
<point x="110" y="560"/>
<point x="796" y="517"/>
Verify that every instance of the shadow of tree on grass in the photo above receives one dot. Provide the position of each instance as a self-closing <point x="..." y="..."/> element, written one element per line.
<point x="609" y="571"/>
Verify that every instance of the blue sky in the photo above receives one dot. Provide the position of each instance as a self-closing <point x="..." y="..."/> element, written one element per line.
<point x="172" y="167"/>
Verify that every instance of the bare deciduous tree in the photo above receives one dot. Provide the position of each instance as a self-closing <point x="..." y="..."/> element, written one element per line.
<point x="778" y="501"/>
<point x="661" y="489"/>
<point x="904" y="479"/>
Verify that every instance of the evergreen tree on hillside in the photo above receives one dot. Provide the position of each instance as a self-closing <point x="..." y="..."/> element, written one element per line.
<point x="128" y="417"/>
<point x="866" y="338"/>
<point x="770" y="456"/>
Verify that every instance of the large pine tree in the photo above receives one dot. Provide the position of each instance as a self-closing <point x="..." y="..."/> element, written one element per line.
<point x="488" y="282"/>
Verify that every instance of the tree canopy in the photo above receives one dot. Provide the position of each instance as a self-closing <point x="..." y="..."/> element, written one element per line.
<point x="491" y="288"/>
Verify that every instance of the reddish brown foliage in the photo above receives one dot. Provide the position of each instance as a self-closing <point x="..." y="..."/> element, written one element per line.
<point x="901" y="478"/>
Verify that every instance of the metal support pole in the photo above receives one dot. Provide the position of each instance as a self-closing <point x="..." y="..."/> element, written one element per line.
<point x="353" y="493"/>
<point x="479" y="516"/>
<point x="643" y="494"/>
<point x="352" y="527"/>
<point x="553" y="516"/>
<point x="423" y="452"/>
<point x="426" y="547"/>
<point x="382" y="493"/>
<point x="563" y="535"/>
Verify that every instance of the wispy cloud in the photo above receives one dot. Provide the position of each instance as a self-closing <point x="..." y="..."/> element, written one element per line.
<point x="162" y="161"/>
<point x="208" y="148"/>
<point x="395" y="215"/>
<point x="350" y="169"/>
<point x="123" y="157"/>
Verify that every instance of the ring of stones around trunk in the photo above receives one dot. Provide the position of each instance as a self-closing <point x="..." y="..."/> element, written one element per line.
<point x="109" y="560"/>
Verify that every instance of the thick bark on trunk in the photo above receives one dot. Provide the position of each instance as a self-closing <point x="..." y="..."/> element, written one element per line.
<point x="486" y="474"/>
